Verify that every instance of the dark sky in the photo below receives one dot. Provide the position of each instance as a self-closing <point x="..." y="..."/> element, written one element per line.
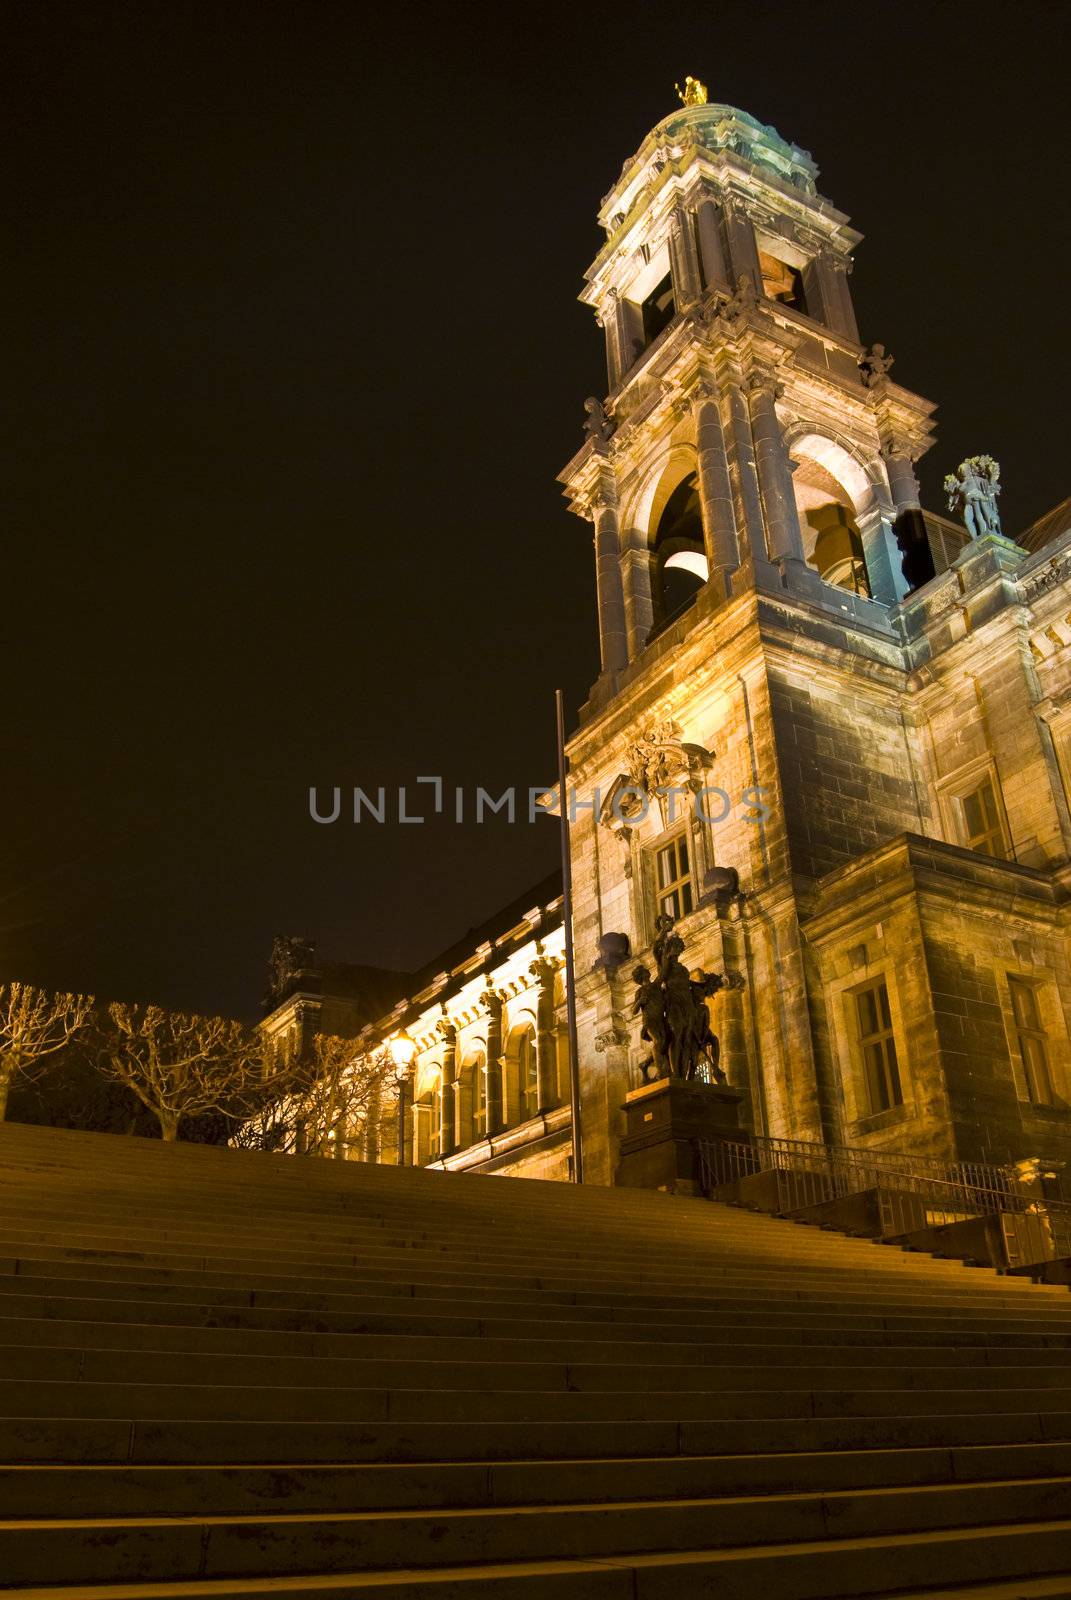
<point x="294" y="358"/>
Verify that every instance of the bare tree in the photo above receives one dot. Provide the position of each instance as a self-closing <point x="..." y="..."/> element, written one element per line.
<point x="331" y="1105"/>
<point x="180" y="1065"/>
<point x="34" y="1024"/>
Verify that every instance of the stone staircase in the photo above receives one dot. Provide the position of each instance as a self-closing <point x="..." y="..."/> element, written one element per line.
<point x="233" y="1375"/>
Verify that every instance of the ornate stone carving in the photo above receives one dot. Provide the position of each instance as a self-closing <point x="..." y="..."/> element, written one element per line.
<point x="974" y="487"/>
<point x="612" y="1039"/>
<point x="661" y="762"/>
<point x="874" y="364"/>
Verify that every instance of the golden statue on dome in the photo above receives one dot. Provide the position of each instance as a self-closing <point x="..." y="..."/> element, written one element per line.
<point x="694" y="93"/>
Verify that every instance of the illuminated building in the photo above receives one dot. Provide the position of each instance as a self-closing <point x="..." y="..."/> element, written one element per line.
<point x="881" y="847"/>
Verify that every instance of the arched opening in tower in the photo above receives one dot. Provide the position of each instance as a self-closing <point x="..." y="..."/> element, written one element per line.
<point x="678" y="552"/>
<point x="831" y="540"/>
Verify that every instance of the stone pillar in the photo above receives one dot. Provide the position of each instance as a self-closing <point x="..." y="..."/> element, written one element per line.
<point x="448" y="1137"/>
<point x="715" y="492"/>
<point x="546" y="1035"/>
<point x="748" y="501"/>
<point x="492" y="1005"/>
<point x="784" y="539"/>
<point x="743" y="251"/>
<point x="903" y="485"/>
<point x="420" y="1142"/>
<point x="609" y="587"/>
<point x="828" y="299"/>
<point x="686" y="277"/>
<point x="639" y="608"/>
<point x="711" y="252"/>
<point x="909" y="529"/>
<point x="842" y="319"/>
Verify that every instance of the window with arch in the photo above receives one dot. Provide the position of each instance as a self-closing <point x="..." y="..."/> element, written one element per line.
<point x="829" y="486"/>
<point x="475" y="1079"/>
<point x="428" y="1122"/>
<point x="520" y="1086"/>
<point x="527" y="1073"/>
<point x="679" y="562"/>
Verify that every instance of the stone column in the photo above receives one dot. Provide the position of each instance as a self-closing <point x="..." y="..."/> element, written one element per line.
<point x="686" y="279"/>
<point x="784" y="539"/>
<point x="909" y="530"/>
<point x="743" y="251"/>
<point x="903" y="485"/>
<point x="711" y="252"/>
<point x="420" y="1142"/>
<point x="546" y="1036"/>
<point x="639" y="609"/>
<point x="492" y="1005"/>
<point x="715" y="492"/>
<point x="448" y="1139"/>
<point x="748" y="501"/>
<point x="609" y="586"/>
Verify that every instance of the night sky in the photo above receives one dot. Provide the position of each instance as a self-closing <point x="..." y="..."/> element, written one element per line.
<point x="294" y="356"/>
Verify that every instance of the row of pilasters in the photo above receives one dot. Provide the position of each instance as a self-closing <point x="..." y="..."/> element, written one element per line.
<point x="457" y="1099"/>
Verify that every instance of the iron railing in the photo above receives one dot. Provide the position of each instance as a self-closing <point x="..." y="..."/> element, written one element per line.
<point x="907" y="1194"/>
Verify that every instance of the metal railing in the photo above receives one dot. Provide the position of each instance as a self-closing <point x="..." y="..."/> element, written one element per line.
<point x="907" y="1194"/>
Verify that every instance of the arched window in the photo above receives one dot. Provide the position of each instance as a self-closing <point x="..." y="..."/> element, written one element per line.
<point x="527" y="1074"/>
<point x="679" y="554"/>
<point x="520" y="1085"/>
<point x="472" y="1110"/>
<point x="428" y="1122"/>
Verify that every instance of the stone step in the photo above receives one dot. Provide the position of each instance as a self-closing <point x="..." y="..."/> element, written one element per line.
<point x="116" y="1491"/>
<point x="109" y="1550"/>
<point x="857" y="1289"/>
<point x="179" y="1441"/>
<point x="434" y="1319"/>
<point x="844" y="1569"/>
<point x="58" y="1398"/>
<point x="713" y="1350"/>
<point x="529" y="1257"/>
<point x="22" y="1295"/>
<point x="98" y="1365"/>
<point x="492" y="1300"/>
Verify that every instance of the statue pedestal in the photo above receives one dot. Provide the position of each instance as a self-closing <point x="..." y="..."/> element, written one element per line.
<point x="662" y="1119"/>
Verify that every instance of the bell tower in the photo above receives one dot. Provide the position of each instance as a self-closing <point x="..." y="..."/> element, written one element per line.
<point x="747" y="441"/>
<point x="749" y="476"/>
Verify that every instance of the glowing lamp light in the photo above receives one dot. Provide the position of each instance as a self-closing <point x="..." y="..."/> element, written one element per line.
<point x="401" y="1050"/>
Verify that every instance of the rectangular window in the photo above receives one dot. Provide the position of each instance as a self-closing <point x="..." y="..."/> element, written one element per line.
<point x="877" y="1047"/>
<point x="674" y="878"/>
<point x="982" y="827"/>
<point x="1035" y="1082"/>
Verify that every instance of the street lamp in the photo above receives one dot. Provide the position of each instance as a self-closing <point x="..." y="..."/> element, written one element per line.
<point x="401" y="1050"/>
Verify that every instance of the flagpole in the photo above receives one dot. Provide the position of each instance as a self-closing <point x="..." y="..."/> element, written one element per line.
<point x="570" y="969"/>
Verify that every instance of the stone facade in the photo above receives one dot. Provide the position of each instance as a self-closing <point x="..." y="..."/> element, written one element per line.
<point x="831" y="735"/>
<point x="888" y="757"/>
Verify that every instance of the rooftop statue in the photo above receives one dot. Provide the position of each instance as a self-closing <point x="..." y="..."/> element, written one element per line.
<point x="874" y="364"/>
<point x="694" y="93"/>
<point x="974" y="487"/>
<point x="597" y="424"/>
<point x="676" y="1022"/>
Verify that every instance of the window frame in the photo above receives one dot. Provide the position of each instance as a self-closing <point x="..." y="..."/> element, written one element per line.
<point x="961" y="785"/>
<point x="1024" y="1078"/>
<point x="884" y="1081"/>
<point x="678" y="839"/>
